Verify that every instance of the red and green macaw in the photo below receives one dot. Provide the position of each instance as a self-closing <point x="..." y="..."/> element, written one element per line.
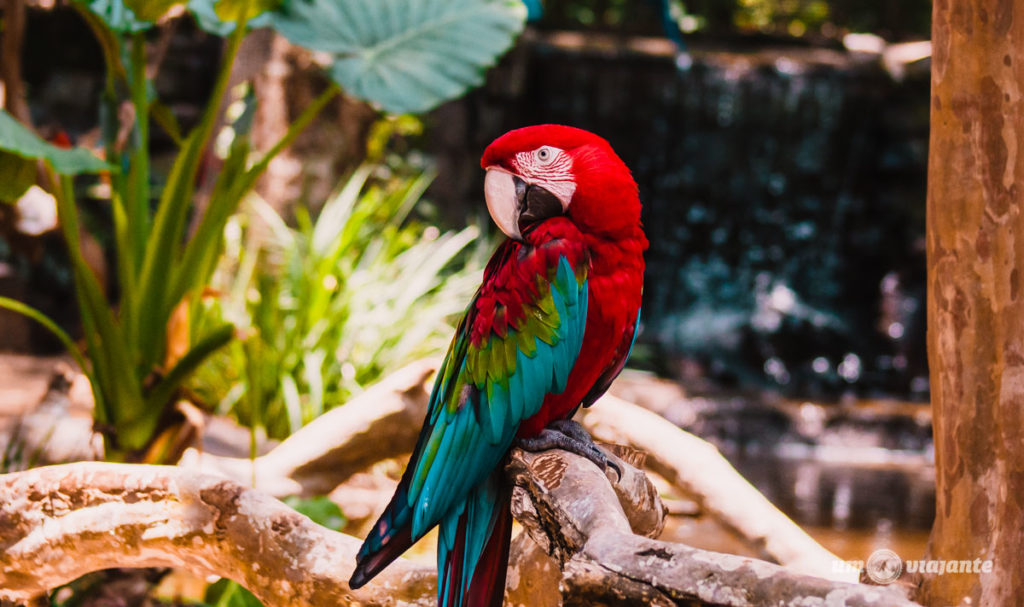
<point x="549" y="329"/>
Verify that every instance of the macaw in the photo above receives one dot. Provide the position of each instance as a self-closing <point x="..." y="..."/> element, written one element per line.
<point x="547" y="332"/>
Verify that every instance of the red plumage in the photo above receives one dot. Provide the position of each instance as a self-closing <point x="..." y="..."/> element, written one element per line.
<point x="605" y="210"/>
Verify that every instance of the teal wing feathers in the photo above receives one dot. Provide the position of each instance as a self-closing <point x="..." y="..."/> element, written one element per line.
<point x="472" y="549"/>
<point x="488" y="388"/>
<point x="517" y="343"/>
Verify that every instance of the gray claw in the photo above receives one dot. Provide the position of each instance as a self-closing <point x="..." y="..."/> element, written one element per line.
<point x="569" y="436"/>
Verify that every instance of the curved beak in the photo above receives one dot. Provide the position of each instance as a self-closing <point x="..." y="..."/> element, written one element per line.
<point x="515" y="205"/>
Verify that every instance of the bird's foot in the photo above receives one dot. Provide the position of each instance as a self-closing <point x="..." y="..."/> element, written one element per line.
<point x="569" y="436"/>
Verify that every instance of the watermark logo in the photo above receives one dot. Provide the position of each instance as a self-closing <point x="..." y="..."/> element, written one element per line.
<point x="885" y="566"/>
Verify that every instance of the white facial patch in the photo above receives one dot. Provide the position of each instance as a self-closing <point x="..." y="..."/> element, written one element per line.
<point x="549" y="168"/>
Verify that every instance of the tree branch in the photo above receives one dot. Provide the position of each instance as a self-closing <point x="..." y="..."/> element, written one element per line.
<point x="695" y="466"/>
<point x="58" y="523"/>
<point x="379" y="424"/>
<point x="383" y="422"/>
<point x="569" y="509"/>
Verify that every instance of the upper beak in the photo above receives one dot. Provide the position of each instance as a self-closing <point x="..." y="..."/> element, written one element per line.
<point x="514" y="204"/>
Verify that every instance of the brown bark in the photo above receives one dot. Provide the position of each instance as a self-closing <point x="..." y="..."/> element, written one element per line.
<point x="697" y="468"/>
<point x="379" y="424"/>
<point x="975" y="232"/>
<point x="575" y="515"/>
<point x="384" y="423"/>
<point x="60" y="522"/>
<point x="286" y="79"/>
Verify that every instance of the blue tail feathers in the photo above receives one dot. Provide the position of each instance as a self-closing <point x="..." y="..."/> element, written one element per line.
<point x="473" y="545"/>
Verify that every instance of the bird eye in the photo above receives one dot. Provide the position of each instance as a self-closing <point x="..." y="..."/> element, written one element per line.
<point x="544" y="154"/>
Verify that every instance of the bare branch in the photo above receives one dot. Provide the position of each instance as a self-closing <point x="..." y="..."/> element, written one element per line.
<point x="381" y="423"/>
<point x="567" y="507"/>
<point x="60" y="522"/>
<point x="696" y="467"/>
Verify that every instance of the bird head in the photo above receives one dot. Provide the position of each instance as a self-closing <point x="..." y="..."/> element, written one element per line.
<point x="538" y="172"/>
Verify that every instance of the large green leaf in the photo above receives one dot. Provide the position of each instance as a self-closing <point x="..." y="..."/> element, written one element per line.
<point x="406" y="55"/>
<point x="15" y="138"/>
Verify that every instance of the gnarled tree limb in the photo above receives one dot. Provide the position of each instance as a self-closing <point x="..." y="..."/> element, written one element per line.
<point x="384" y="421"/>
<point x="570" y="511"/>
<point x="60" y="522"/>
<point x="696" y="466"/>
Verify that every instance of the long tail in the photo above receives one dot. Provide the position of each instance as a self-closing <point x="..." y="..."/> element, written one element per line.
<point x="473" y="544"/>
<point x="388" y="539"/>
<point x="472" y="547"/>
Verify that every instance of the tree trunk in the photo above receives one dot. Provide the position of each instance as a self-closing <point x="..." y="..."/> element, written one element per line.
<point x="12" y="88"/>
<point x="975" y="306"/>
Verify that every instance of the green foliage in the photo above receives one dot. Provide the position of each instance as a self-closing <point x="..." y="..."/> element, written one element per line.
<point x="321" y="510"/>
<point x="17" y="175"/>
<point x="406" y="55"/>
<point x="65" y="339"/>
<point x="227" y="593"/>
<point x="219" y="16"/>
<point x="794" y="18"/>
<point x="134" y="375"/>
<point x="150" y="10"/>
<point x="826" y="18"/>
<point x="329" y="306"/>
<point x="403" y="54"/>
<point x="19" y="141"/>
<point x="119" y="16"/>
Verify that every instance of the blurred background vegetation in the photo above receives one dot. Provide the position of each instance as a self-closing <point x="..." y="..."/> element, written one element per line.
<point x="813" y="19"/>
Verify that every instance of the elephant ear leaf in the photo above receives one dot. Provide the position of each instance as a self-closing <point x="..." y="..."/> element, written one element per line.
<point x="20" y="147"/>
<point x="405" y="55"/>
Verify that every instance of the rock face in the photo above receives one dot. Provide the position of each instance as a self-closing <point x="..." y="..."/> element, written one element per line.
<point x="783" y="193"/>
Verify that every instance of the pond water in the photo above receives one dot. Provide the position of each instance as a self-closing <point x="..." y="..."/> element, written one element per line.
<point x="851" y="509"/>
<point x="857" y="476"/>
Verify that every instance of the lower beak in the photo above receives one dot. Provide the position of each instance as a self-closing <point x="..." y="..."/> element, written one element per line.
<point x="515" y="205"/>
